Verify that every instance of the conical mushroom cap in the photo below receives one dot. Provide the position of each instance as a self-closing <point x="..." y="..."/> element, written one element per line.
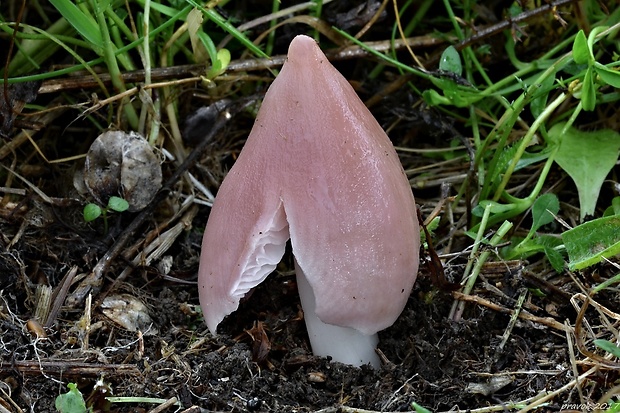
<point x="318" y="167"/>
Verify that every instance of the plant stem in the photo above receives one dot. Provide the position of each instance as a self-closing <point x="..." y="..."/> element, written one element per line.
<point x="104" y="215"/>
<point x="525" y="142"/>
<point x="504" y="127"/>
<point x="459" y="306"/>
<point x="112" y="63"/>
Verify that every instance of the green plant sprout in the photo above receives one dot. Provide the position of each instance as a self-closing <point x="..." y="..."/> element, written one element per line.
<point x="590" y="242"/>
<point x="431" y="227"/>
<point x="583" y="54"/>
<point x="203" y="47"/>
<point x="94" y="211"/>
<point x="72" y="401"/>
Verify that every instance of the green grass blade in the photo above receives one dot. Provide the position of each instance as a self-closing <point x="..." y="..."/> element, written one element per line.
<point x="35" y="49"/>
<point x="84" y="64"/>
<point x="83" y="23"/>
<point x="94" y="62"/>
<point x="387" y="59"/>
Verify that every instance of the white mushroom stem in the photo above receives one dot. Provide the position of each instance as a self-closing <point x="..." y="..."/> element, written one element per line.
<point x="342" y="344"/>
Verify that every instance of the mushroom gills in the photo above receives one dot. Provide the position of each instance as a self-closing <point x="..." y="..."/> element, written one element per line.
<point x="269" y="244"/>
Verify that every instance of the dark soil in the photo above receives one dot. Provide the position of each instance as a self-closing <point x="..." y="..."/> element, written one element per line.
<point x="261" y="361"/>
<point x="430" y="360"/>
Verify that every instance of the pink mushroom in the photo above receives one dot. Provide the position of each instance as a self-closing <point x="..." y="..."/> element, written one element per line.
<point x="316" y="168"/>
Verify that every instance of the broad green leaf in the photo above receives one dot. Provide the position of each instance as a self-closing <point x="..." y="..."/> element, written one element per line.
<point x="451" y="61"/>
<point x="615" y="205"/>
<point x="608" y="346"/>
<point x="117" y="204"/>
<point x="83" y="23"/>
<point x="223" y="56"/>
<point x="71" y="402"/>
<point x="581" y="52"/>
<point x="609" y="76"/>
<point x="544" y="210"/>
<point x="587" y="157"/>
<point x="591" y="242"/>
<point x="91" y="212"/>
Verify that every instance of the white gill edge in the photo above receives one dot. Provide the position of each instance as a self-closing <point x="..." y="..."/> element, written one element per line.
<point x="268" y="249"/>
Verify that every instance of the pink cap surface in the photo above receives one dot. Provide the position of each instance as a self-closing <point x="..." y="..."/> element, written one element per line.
<point x="318" y="167"/>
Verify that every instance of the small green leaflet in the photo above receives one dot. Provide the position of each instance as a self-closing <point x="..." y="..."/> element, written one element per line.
<point x="581" y="52"/>
<point x="544" y="210"/>
<point x="583" y="55"/>
<point x="92" y="212"/>
<point x="117" y="204"/>
<point x="451" y="61"/>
